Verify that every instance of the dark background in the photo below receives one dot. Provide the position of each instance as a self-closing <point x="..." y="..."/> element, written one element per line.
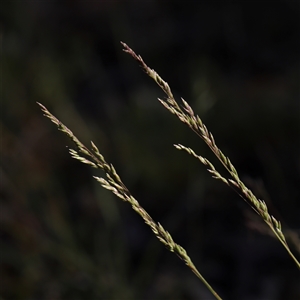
<point x="62" y="235"/>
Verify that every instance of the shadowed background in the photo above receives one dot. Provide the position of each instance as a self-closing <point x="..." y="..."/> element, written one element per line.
<point x="62" y="235"/>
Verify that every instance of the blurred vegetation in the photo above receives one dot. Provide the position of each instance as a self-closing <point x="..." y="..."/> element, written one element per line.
<point x="62" y="235"/>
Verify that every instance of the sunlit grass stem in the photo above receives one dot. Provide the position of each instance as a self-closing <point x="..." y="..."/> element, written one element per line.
<point x="186" y="115"/>
<point x="113" y="182"/>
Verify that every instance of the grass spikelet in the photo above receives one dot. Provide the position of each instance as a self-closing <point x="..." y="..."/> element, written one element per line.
<point x="187" y="116"/>
<point x="114" y="184"/>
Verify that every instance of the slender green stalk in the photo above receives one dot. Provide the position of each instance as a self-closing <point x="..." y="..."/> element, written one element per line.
<point x="187" y="116"/>
<point x="113" y="182"/>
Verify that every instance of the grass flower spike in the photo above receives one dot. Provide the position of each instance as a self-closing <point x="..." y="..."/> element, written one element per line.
<point x="186" y="115"/>
<point x="113" y="183"/>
